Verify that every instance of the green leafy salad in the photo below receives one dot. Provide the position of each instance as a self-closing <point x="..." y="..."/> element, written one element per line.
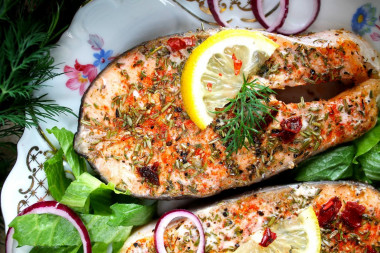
<point x="109" y="215"/>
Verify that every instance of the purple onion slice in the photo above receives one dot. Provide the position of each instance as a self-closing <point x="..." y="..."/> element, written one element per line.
<point x="292" y="31"/>
<point x="214" y="8"/>
<point x="258" y="11"/>
<point x="164" y="221"/>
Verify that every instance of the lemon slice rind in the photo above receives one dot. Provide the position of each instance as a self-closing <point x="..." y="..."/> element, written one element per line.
<point x="193" y="92"/>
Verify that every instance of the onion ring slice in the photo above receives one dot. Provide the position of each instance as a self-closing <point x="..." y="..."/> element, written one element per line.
<point x="164" y="221"/>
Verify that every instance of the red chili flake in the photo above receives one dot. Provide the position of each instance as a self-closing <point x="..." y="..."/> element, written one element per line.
<point x="177" y="44"/>
<point x="220" y="74"/>
<point x="289" y="128"/>
<point x="237" y="64"/>
<point x="150" y="173"/>
<point x="328" y="211"/>
<point x="352" y="214"/>
<point x="209" y="87"/>
<point x="268" y="238"/>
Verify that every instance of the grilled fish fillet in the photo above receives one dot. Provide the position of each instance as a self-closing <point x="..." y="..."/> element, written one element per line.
<point x="134" y="131"/>
<point x="229" y="223"/>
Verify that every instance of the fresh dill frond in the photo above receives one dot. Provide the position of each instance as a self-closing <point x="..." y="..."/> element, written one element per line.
<point x="26" y="64"/>
<point x="249" y="111"/>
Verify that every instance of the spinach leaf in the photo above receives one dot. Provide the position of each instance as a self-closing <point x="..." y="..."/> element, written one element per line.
<point x="370" y="163"/>
<point x="333" y="164"/>
<point x="367" y="141"/>
<point x="65" y="139"/>
<point x="55" y="174"/>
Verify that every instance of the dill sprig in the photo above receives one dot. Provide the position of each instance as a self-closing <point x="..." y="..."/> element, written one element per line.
<point x="249" y="112"/>
<point x="27" y="31"/>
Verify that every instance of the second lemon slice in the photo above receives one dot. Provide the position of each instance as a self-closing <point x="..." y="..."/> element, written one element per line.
<point x="215" y="70"/>
<point x="301" y="234"/>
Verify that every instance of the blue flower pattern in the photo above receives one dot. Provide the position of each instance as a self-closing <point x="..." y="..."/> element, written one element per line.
<point x="102" y="58"/>
<point x="364" y="19"/>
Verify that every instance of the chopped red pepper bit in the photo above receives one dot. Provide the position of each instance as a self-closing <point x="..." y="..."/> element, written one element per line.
<point x="237" y="64"/>
<point x="268" y="238"/>
<point x="352" y="214"/>
<point x="209" y="87"/>
<point x="328" y="211"/>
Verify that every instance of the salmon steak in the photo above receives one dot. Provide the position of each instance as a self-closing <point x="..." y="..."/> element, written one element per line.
<point x="348" y="216"/>
<point x="134" y="131"/>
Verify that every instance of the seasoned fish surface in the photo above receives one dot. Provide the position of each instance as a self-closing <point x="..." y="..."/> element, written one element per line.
<point x="134" y="131"/>
<point x="229" y="223"/>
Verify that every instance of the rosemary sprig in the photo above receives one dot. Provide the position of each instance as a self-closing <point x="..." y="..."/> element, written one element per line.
<point x="250" y="109"/>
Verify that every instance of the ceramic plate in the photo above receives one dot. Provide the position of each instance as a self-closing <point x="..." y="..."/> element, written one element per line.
<point x="104" y="29"/>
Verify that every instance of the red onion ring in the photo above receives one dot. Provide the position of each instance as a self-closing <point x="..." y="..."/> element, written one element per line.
<point x="313" y="17"/>
<point x="214" y="8"/>
<point x="53" y="207"/>
<point x="164" y="221"/>
<point x="257" y="9"/>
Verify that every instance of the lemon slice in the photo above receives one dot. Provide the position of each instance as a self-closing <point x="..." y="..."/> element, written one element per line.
<point x="301" y="234"/>
<point x="215" y="70"/>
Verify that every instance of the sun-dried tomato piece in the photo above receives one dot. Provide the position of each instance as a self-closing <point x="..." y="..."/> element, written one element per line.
<point x="268" y="238"/>
<point x="150" y="173"/>
<point x="177" y="44"/>
<point x="328" y="211"/>
<point x="293" y="125"/>
<point x="352" y="214"/>
<point x="289" y="128"/>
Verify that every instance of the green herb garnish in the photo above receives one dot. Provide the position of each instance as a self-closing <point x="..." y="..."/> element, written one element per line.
<point x="26" y="64"/>
<point x="250" y="109"/>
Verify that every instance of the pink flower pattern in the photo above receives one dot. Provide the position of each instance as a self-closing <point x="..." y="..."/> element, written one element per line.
<point x="375" y="36"/>
<point x="80" y="76"/>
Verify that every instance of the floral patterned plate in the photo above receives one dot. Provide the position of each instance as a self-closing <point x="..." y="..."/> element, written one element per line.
<point x="103" y="29"/>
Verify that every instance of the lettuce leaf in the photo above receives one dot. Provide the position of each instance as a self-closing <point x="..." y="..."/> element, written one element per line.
<point x="49" y="230"/>
<point x="65" y="139"/>
<point x="55" y="174"/>
<point x="62" y="249"/>
<point x="77" y="195"/>
<point x="107" y="213"/>
<point x="131" y="214"/>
